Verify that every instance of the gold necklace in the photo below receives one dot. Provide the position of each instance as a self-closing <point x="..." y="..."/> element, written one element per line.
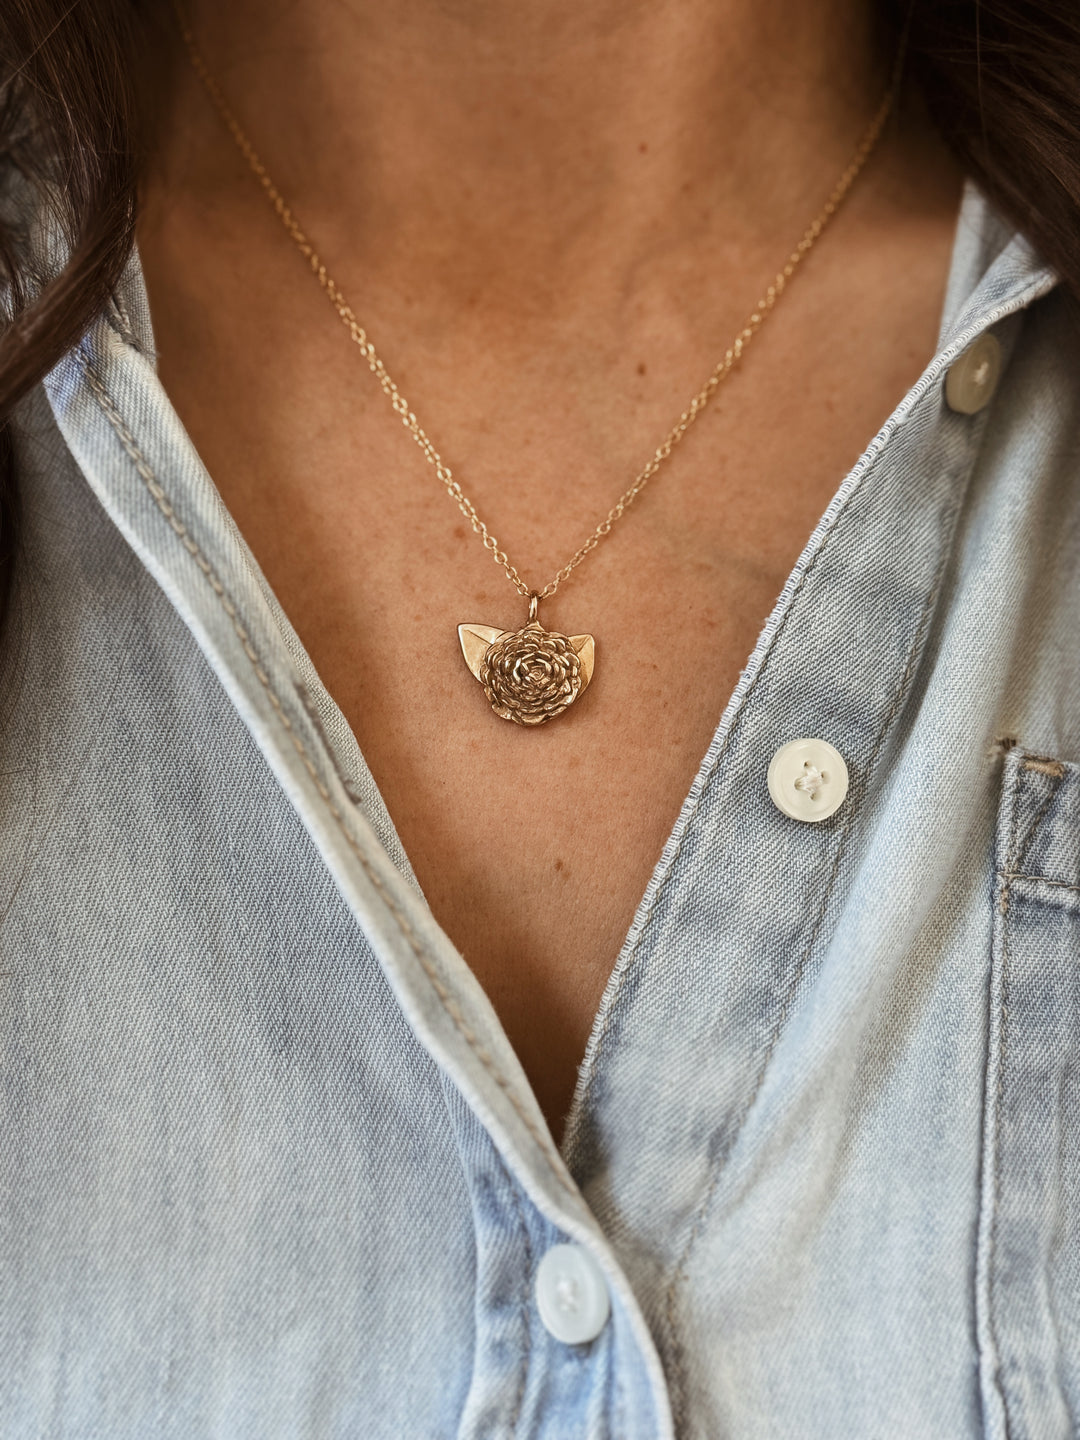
<point x="530" y="675"/>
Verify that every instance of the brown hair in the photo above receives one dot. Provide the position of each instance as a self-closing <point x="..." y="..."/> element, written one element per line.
<point x="1001" y="78"/>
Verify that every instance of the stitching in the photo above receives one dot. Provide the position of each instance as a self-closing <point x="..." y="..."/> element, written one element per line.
<point x="519" y="1398"/>
<point x="116" y="316"/>
<point x="308" y="702"/>
<point x="618" y="1405"/>
<point x="450" y="1005"/>
<point x="1041" y="768"/>
<point x="717" y="1163"/>
<point x="1039" y="879"/>
<point x="1056" y="770"/>
<point x="1044" y="766"/>
<point x="999" y="1095"/>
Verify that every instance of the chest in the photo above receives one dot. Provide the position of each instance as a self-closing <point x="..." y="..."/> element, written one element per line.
<point x="533" y="846"/>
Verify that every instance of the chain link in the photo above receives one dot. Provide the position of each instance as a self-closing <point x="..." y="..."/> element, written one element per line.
<point x="359" y="335"/>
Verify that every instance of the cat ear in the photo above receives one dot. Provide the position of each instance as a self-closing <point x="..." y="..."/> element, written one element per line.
<point x="585" y="646"/>
<point x="475" y="640"/>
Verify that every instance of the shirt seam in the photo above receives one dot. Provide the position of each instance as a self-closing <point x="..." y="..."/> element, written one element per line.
<point x="999" y="1101"/>
<point x="1039" y="880"/>
<point x="526" y="1348"/>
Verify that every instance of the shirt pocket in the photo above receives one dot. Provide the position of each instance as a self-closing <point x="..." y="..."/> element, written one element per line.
<point x="1029" y="1233"/>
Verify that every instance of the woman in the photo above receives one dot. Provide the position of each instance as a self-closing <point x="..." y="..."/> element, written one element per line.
<point x="563" y="1025"/>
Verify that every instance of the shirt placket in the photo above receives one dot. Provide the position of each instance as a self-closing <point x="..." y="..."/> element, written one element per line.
<point x="681" y="1082"/>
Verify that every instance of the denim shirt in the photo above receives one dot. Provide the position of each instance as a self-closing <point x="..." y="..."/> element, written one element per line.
<point x="269" y="1166"/>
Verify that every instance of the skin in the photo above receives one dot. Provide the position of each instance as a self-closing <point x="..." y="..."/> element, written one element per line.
<point x="552" y="218"/>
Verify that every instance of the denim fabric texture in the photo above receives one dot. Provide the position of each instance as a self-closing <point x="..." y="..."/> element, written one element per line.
<point x="269" y="1166"/>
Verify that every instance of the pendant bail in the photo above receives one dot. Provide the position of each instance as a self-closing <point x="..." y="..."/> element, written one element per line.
<point x="534" y="602"/>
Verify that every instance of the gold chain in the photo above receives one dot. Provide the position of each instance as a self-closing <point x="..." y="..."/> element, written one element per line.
<point x="731" y="356"/>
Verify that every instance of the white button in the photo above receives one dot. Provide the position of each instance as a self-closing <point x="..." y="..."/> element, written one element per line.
<point x="571" y="1295"/>
<point x="808" y="779"/>
<point x="973" y="378"/>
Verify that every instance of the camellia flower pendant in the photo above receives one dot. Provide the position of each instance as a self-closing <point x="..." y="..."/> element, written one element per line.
<point x="532" y="674"/>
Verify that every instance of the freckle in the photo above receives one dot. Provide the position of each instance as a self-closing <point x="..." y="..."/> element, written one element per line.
<point x="558" y="864"/>
<point x="641" y="367"/>
<point x="459" y="532"/>
<point x="642" y="148"/>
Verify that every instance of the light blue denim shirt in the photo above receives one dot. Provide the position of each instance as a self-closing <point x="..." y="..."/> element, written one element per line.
<point x="268" y="1164"/>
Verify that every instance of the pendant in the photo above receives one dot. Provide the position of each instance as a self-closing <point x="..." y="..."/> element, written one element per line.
<point x="532" y="674"/>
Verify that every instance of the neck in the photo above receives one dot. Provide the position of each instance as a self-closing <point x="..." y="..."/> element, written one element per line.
<point x="566" y="141"/>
